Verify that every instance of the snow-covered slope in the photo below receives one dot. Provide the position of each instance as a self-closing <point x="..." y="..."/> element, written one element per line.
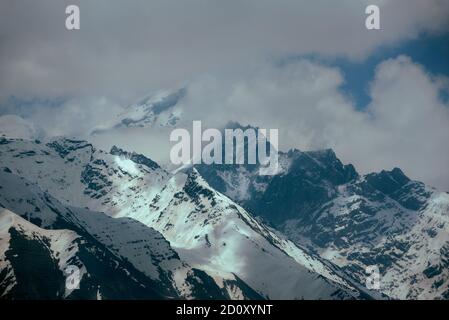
<point x="210" y="230"/>
<point x="214" y="234"/>
<point x="74" y="172"/>
<point x="140" y="246"/>
<point x="381" y="219"/>
<point x="405" y="233"/>
<point x="33" y="261"/>
<point x="159" y="109"/>
<point x="53" y="248"/>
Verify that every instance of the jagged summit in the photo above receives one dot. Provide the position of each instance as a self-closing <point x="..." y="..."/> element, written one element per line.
<point x="134" y="157"/>
<point x="132" y="254"/>
<point x="339" y="222"/>
<point x="388" y="181"/>
<point x="205" y="227"/>
<point x="383" y="219"/>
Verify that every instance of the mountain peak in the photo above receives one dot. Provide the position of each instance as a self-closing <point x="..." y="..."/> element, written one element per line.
<point x="64" y="146"/>
<point x="135" y="157"/>
<point x="388" y="181"/>
<point x="162" y="100"/>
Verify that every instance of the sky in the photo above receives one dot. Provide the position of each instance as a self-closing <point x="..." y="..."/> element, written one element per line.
<point x="379" y="98"/>
<point x="431" y="51"/>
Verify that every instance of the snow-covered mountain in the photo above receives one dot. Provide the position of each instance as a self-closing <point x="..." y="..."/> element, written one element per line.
<point x="159" y="109"/>
<point x="208" y="230"/>
<point x="214" y="234"/>
<point x="313" y="228"/>
<point x="139" y="255"/>
<point x="33" y="263"/>
<point x="381" y="219"/>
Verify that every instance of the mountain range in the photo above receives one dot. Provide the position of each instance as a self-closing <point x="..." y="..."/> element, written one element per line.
<point x="138" y="231"/>
<point x="355" y="221"/>
<point x="172" y="233"/>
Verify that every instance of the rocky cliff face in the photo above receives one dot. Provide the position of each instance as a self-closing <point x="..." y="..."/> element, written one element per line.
<point x="215" y="248"/>
<point x="381" y="219"/>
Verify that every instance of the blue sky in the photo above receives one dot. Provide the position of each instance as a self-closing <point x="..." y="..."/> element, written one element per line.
<point x="432" y="52"/>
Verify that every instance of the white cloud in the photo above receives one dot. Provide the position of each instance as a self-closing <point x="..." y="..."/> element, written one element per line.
<point x="406" y="125"/>
<point x="126" y="51"/>
<point x="74" y="117"/>
<point x="13" y="126"/>
<point x="221" y="49"/>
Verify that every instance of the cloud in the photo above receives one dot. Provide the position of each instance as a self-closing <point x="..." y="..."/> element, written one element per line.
<point x="125" y="51"/>
<point x="224" y="52"/>
<point x="406" y="124"/>
<point x="69" y="117"/>
<point x="13" y="126"/>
